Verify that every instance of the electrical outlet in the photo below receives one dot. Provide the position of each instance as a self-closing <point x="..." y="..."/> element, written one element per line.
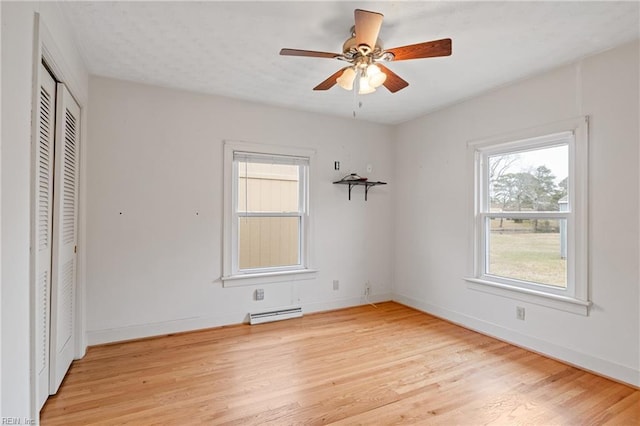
<point x="336" y="284"/>
<point x="336" y="165"/>
<point x="367" y="288"/>
<point x="520" y="313"/>
<point x="260" y="294"/>
<point x="369" y="168"/>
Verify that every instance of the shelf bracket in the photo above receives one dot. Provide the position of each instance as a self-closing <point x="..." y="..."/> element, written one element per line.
<point x="366" y="185"/>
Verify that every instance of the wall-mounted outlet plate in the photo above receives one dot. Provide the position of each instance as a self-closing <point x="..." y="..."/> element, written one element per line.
<point x="520" y="313"/>
<point x="260" y="294"/>
<point x="336" y="284"/>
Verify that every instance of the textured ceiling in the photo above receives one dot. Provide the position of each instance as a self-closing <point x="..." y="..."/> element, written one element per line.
<point x="231" y="48"/>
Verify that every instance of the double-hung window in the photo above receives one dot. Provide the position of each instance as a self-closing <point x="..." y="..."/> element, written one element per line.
<point x="530" y="216"/>
<point x="266" y="212"/>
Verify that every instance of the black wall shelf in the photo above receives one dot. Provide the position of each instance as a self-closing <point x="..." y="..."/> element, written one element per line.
<point x="364" y="183"/>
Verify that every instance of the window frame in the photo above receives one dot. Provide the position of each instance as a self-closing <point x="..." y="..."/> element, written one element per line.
<point x="232" y="274"/>
<point x="574" y="133"/>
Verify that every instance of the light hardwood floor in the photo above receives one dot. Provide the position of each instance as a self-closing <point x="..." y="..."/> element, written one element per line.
<point x="363" y="365"/>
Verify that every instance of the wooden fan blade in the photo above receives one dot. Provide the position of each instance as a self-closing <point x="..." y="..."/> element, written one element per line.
<point x="331" y="81"/>
<point x="429" y="49"/>
<point x="393" y="82"/>
<point x="309" y="53"/>
<point x="367" y="27"/>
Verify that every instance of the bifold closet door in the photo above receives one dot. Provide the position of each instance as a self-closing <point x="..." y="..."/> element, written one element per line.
<point x="43" y="202"/>
<point x="65" y="213"/>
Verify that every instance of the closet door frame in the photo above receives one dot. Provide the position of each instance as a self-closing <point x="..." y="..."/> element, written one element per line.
<point x="45" y="49"/>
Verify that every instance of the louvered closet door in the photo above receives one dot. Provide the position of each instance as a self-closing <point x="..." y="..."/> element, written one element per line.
<point x="63" y="284"/>
<point x="43" y="202"/>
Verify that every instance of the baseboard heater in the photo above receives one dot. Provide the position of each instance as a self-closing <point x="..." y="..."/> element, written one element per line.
<point x="275" y="315"/>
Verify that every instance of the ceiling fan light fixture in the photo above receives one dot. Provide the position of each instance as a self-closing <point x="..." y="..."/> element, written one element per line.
<point x="364" y="88"/>
<point x="376" y="76"/>
<point x="346" y="79"/>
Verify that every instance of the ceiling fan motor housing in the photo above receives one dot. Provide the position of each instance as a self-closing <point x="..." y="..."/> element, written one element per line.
<point x="351" y="49"/>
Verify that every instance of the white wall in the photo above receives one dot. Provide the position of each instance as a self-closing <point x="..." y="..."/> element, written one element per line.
<point x="155" y="159"/>
<point x="17" y="74"/>
<point x="434" y="202"/>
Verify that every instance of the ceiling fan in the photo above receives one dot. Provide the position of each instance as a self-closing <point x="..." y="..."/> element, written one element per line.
<point x="364" y="51"/>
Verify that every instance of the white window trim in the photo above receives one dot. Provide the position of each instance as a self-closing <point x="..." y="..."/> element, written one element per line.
<point x="231" y="276"/>
<point x="576" y="298"/>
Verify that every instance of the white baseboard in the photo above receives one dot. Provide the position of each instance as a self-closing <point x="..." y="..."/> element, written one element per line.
<point x="582" y="360"/>
<point x="140" y="331"/>
<point x="345" y="303"/>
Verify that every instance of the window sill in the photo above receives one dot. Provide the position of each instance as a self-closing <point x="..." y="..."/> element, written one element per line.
<point x="563" y="303"/>
<point x="268" y="277"/>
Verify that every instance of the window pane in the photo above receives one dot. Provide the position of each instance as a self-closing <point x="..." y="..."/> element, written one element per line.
<point x="534" y="180"/>
<point x="528" y="250"/>
<point x="268" y="242"/>
<point x="268" y="187"/>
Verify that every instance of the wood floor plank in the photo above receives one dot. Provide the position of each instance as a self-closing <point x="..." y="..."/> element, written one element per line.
<point x="361" y="365"/>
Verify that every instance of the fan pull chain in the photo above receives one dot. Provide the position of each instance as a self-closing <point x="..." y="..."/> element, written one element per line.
<point x="355" y="103"/>
<point x="356" y="90"/>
